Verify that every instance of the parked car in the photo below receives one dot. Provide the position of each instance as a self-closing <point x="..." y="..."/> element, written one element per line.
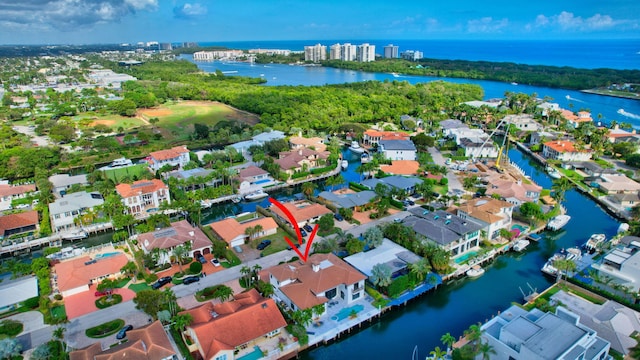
<point x="290" y="248"/>
<point x="215" y="262"/>
<point x="101" y="293"/>
<point x="238" y="249"/>
<point x="303" y="233"/>
<point x="123" y="332"/>
<point x="190" y="279"/>
<point x="161" y="282"/>
<point x="263" y="244"/>
<point x="202" y="259"/>
<point x="22" y="206"/>
<point x="397" y="220"/>
<point x="338" y="217"/>
<point x="308" y="228"/>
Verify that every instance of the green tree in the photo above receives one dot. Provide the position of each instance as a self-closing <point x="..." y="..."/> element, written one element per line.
<point x="181" y="321"/>
<point x="373" y="237"/>
<point x="41" y="352"/>
<point x="448" y="340"/>
<point x="58" y="334"/>
<point x="9" y="348"/>
<point x="346" y="213"/>
<point x="354" y="246"/>
<point x="325" y="223"/>
<point x="560" y="187"/>
<point x="486" y="350"/>
<point x="223" y="293"/>
<point x="180" y="253"/>
<point x="302" y="317"/>
<point x="564" y="267"/>
<point x="437" y="353"/>
<point x="150" y="301"/>
<point x="381" y="275"/>
<point x="420" y="268"/>
<point x="107" y="285"/>
<point x="308" y="188"/>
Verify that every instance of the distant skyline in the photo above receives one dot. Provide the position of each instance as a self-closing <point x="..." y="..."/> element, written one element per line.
<point x="131" y="21"/>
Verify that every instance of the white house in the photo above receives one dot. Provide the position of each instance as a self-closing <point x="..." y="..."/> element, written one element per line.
<point x="564" y="150"/>
<point x="622" y="265"/>
<point x="62" y="182"/>
<point x="397" y="149"/>
<point x="143" y="197"/>
<point x="65" y="210"/>
<point x="176" y="157"/>
<point x="492" y="213"/>
<point x="476" y="147"/>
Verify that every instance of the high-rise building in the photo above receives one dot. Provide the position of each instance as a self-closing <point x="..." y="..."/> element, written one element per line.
<point x="366" y="53"/>
<point x="412" y="55"/>
<point x="348" y="52"/>
<point x="335" y="52"/>
<point x="315" y="53"/>
<point x="391" y="51"/>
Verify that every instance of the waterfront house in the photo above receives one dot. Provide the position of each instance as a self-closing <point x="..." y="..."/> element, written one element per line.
<point x="15" y="291"/>
<point x="447" y="126"/>
<point x="180" y="233"/>
<point x="564" y="150"/>
<point x="539" y="137"/>
<point x="406" y="184"/>
<point x="520" y="334"/>
<point x="622" y="265"/>
<point x="546" y="108"/>
<point x="63" y="182"/>
<point x="235" y="233"/>
<point x="197" y="178"/>
<point x="177" y="156"/>
<point x="591" y="170"/>
<point x="313" y="143"/>
<point x="8" y="193"/>
<point x="389" y="253"/>
<point x="524" y="122"/>
<point x="616" y="184"/>
<point x="450" y="232"/>
<point x="258" y="140"/>
<point x="253" y="176"/>
<point x="146" y="343"/>
<point x="372" y="137"/>
<point x="397" y="149"/>
<point x="617" y="135"/>
<point x="301" y="160"/>
<point x="64" y="211"/>
<point x="143" y="197"/>
<point x="303" y="212"/>
<point x="493" y="214"/>
<point x="461" y="133"/>
<point x="75" y="275"/>
<point x="513" y="192"/>
<point x="401" y="167"/>
<point x="478" y="147"/>
<point x="575" y="120"/>
<point x="303" y="285"/>
<point x="231" y="329"/>
<point x="626" y="201"/>
<point x="348" y="200"/>
<point x="18" y="223"/>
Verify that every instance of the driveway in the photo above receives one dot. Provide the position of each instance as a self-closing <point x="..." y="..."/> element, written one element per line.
<point x="85" y="302"/>
<point x="454" y="183"/>
<point x="38" y="140"/>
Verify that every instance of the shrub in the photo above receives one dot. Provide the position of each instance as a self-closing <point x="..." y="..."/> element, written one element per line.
<point x="57" y="297"/>
<point x="444" y="181"/>
<point x="105" y="302"/>
<point x="299" y="332"/>
<point x="398" y="286"/>
<point x="32" y="303"/>
<point x="10" y="328"/>
<point x="149" y="278"/>
<point x="105" y="329"/>
<point x="195" y="267"/>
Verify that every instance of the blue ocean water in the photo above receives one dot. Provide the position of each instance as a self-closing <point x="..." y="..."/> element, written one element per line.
<point x="589" y="54"/>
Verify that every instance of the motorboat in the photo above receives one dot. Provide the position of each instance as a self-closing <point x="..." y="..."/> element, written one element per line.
<point x="623" y="227"/>
<point x="594" y="241"/>
<point x="553" y="173"/>
<point x="514" y="83"/>
<point x="344" y="164"/>
<point x="75" y="235"/>
<point x="475" y="271"/>
<point x="256" y="195"/>
<point x="66" y="253"/>
<point x="573" y="254"/>
<point x="520" y="245"/>
<point x="365" y="158"/>
<point x="121" y="162"/>
<point x="356" y="148"/>
<point x="558" y="222"/>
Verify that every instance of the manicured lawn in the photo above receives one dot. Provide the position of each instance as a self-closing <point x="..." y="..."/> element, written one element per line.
<point x="122" y="282"/>
<point x="106" y="301"/>
<point x="136" y="170"/>
<point x="278" y="243"/>
<point x="139" y="287"/>
<point x="110" y="120"/>
<point x="105" y="329"/>
<point x="58" y="312"/>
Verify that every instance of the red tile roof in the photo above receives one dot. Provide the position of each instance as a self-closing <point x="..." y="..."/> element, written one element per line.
<point x="252" y="171"/>
<point x="229" y="229"/>
<point x="301" y="211"/>
<point x="140" y="187"/>
<point x="230" y="324"/>
<point x="387" y="135"/>
<point x="147" y="343"/>
<point x="10" y="190"/>
<point x="562" y="146"/>
<point x="14" y="221"/>
<point x="74" y="273"/>
<point x="331" y="272"/>
<point x="167" y="239"/>
<point x="401" y="167"/>
<point x="169" y="154"/>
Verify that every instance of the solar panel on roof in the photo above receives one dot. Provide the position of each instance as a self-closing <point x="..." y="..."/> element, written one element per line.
<point x="164" y="233"/>
<point x="146" y="183"/>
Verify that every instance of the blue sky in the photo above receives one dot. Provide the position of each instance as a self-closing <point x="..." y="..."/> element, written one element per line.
<point x="119" y="21"/>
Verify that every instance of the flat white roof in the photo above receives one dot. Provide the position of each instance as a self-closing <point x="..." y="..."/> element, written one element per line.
<point x="17" y="291"/>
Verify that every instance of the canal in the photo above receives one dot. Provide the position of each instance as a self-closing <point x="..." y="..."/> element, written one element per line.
<point x="455" y="306"/>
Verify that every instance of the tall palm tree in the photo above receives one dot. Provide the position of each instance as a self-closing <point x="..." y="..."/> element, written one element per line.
<point x="486" y="350"/>
<point x="437" y="353"/>
<point x="335" y="180"/>
<point x="181" y="321"/>
<point x="448" y="340"/>
<point x="179" y="252"/>
<point x="564" y="267"/>
<point x="245" y="271"/>
<point x="420" y="268"/>
<point x="308" y="188"/>
<point x="58" y="334"/>
<point x="560" y="187"/>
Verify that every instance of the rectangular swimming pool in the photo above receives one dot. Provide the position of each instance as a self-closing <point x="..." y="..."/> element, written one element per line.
<point x="465" y="257"/>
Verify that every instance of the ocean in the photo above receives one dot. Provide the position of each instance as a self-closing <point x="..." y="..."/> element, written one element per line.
<point x="588" y="54"/>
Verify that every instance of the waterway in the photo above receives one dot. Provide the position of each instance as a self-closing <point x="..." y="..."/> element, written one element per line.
<point x="455" y="306"/>
<point x="277" y="74"/>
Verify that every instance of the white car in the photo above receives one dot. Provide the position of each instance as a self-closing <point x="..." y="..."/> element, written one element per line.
<point x="215" y="262"/>
<point x="22" y="206"/>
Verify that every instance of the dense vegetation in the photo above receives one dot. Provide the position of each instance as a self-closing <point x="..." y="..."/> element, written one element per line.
<point x="540" y="75"/>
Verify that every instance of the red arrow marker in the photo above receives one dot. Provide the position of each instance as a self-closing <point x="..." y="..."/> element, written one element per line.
<point x="293" y="222"/>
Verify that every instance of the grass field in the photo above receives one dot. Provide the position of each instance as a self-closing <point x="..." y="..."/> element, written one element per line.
<point x="117" y="174"/>
<point x="110" y="120"/>
<point x="277" y="242"/>
<point x="139" y="287"/>
<point x="58" y="312"/>
<point x="177" y="119"/>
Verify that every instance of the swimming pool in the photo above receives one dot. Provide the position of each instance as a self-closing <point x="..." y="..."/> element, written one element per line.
<point x="263" y="181"/>
<point x="101" y="256"/>
<point x="346" y="312"/>
<point x="465" y="257"/>
<point x="519" y="227"/>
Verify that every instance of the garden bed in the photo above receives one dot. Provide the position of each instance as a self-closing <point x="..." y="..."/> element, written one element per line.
<point x="104" y="301"/>
<point x="104" y="330"/>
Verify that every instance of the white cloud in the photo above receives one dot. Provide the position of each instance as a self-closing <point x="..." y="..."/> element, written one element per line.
<point x="567" y="21"/>
<point x="188" y="11"/>
<point x="486" y="25"/>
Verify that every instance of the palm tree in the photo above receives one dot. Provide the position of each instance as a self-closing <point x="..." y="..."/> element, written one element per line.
<point x="564" y="266"/>
<point x="245" y="271"/>
<point x="560" y="187"/>
<point x="257" y="230"/>
<point x="448" y="340"/>
<point x="223" y="293"/>
<point x="334" y="181"/>
<point x="255" y="270"/>
<point x="437" y="353"/>
<point x="486" y="350"/>
<point x="179" y="252"/>
<point x="181" y="321"/>
<point x="58" y="333"/>
<point x="420" y="268"/>
<point x="308" y="188"/>
<point x="473" y="334"/>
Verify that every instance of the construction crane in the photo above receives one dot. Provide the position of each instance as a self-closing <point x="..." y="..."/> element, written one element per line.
<point x="508" y="121"/>
<point x="504" y="144"/>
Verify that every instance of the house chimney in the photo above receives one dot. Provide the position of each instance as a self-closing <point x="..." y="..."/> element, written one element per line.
<point x="315" y="267"/>
<point x="300" y="152"/>
<point x="191" y="233"/>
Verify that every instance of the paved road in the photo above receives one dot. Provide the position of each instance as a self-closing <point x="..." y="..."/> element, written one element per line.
<point x="454" y="183"/>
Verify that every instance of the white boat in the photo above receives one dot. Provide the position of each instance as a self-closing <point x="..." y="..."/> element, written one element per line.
<point x="475" y="271"/>
<point x="365" y="158"/>
<point x="75" y="235"/>
<point x="623" y="227"/>
<point x="344" y="164"/>
<point x="521" y="245"/>
<point x="121" y="162"/>
<point x="553" y="172"/>
<point x="514" y="83"/>
<point x="66" y="253"/>
<point x="256" y="195"/>
<point x="558" y="222"/>
<point x="570" y="254"/>
<point x="395" y="74"/>
<point x="592" y="244"/>
<point x="356" y="148"/>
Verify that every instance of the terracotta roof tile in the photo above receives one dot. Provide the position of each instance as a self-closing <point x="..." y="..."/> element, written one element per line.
<point x="401" y="167"/>
<point x="10" y="190"/>
<point x="316" y="142"/>
<point x="485" y="209"/>
<point x="172" y="153"/>
<point x="562" y="146"/>
<point x="140" y="187"/>
<point x="301" y="211"/>
<point x="168" y="239"/>
<point x="229" y="229"/>
<point x="18" y="220"/>
<point x="252" y="171"/>
<point x="74" y="273"/>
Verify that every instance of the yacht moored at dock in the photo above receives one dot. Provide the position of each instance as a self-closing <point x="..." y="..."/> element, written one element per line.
<point x="594" y="241"/>
<point x="573" y="254"/>
<point x="558" y="222"/>
<point x="356" y="148"/>
<point x="256" y="195"/>
<point x="344" y="164"/>
<point x="475" y="271"/>
<point x="520" y="245"/>
<point x="365" y="158"/>
<point x="553" y="173"/>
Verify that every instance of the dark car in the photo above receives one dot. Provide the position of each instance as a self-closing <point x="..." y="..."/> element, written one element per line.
<point x="263" y="244"/>
<point x="123" y="332"/>
<point x="290" y="248"/>
<point x="308" y="228"/>
<point x="338" y="217"/>
<point x="303" y="233"/>
<point x="190" y="279"/>
<point x="202" y="259"/>
<point x="161" y="282"/>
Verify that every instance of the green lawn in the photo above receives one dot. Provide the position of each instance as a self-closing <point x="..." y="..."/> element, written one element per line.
<point x="58" y="312"/>
<point x="139" y="287"/>
<point x="136" y="170"/>
<point x="278" y="243"/>
<point x="111" y="120"/>
<point x="123" y="282"/>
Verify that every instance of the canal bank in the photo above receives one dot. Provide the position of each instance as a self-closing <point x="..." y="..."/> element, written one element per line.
<point x="456" y="305"/>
